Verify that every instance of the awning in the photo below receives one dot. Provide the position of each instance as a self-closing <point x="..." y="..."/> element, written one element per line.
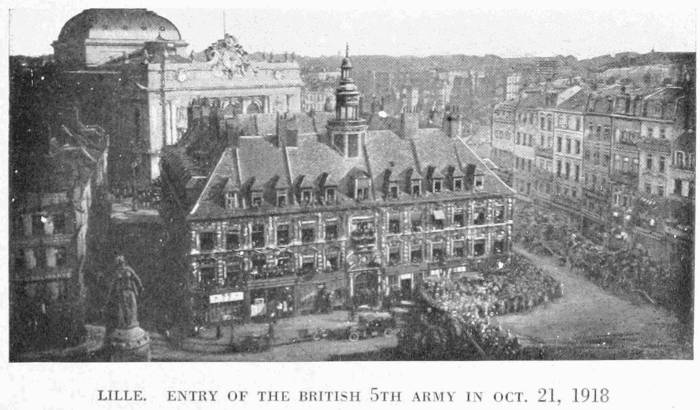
<point x="439" y="215"/>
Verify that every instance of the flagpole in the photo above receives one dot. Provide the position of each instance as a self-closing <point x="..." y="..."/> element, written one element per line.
<point x="223" y="18"/>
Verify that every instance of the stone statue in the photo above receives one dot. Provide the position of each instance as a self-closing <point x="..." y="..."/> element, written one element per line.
<point x="123" y="295"/>
<point x="126" y="341"/>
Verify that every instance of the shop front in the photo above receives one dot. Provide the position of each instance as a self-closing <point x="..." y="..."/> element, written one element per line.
<point x="226" y="306"/>
<point x="266" y="302"/>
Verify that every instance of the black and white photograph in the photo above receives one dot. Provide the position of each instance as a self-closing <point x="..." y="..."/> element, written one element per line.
<point x="349" y="185"/>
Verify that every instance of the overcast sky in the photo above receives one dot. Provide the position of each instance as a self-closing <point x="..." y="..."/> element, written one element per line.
<point x="314" y="32"/>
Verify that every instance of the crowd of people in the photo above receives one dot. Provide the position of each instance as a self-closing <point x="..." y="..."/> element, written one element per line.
<point x="628" y="268"/>
<point x="452" y="319"/>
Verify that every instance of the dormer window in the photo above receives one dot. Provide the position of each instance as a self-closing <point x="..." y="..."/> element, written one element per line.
<point x="415" y="187"/>
<point x="437" y="184"/>
<point x="306" y="196"/>
<point x="478" y="182"/>
<point x="330" y="195"/>
<point x="457" y="184"/>
<point x="362" y="188"/>
<point x="256" y="199"/>
<point x="281" y="198"/>
<point x="393" y="190"/>
<point x="362" y="194"/>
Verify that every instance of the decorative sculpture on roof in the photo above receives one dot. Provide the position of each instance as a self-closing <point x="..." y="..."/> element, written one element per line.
<point x="228" y="58"/>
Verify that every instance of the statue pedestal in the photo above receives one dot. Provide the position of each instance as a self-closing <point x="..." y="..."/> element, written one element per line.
<point x="129" y="345"/>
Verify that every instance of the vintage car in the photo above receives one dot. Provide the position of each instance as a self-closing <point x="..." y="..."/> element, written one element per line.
<point x="370" y="324"/>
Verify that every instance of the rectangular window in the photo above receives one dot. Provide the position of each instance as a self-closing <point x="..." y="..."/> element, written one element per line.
<point x="578" y="147"/>
<point x="459" y="218"/>
<point x="395" y="224"/>
<point x="306" y="196"/>
<point x="499" y="214"/>
<point x="208" y="276"/>
<point x="256" y="199"/>
<point x="232" y="241"/>
<point x="660" y="190"/>
<point x="678" y="186"/>
<point x="330" y="195"/>
<point x="647" y="188"/>
<point x="415" y="188"/>
<point x="558" y="168"/>
<point x="478" y="182"/>
<point x="59" y="224"/>
<point x="568" y="145"/>
<point x="650" y="161"/>
<point x="362" y="194"/>
<point x="567" y="170"/>
<point x="416" y="254"/>
<point x="283" y="237"/>
<point x="662" y="164"/>
<point x="258" y="236"/>
<point x="281" y="199"/>
<point x="353" y="146"/>
<point x="457" y="184"/>
<point x="499" y="246"/>
<point x="662" y="133"/>
<point x="479" y="216"/>
<point x="207" y="241"/>
<point x="308" y="234"/>
<point x="458" y="249"/>
<point x="558" y="144"/>
<point x="339" y="143"/>
<point x="394" y="256"/>
<point x="331" y="231"/>
<point x="393" y="191"/>
<point x="577" y="171"/>
<point x="416" y="222"/>
<point x="479" y="247"/>
<point x="438" y="252"/>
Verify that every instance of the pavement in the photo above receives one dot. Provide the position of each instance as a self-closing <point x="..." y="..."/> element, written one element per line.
<point x="591" y="322"/>
<point x="286" y="344"/>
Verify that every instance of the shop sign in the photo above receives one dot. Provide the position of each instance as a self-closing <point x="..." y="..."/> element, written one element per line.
<point x="226" y="297"/>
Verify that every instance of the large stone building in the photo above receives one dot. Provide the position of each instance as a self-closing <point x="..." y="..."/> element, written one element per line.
<point x="56" y="246"/>
<point x="130" y="71"/>
<point x="317" y="200"/>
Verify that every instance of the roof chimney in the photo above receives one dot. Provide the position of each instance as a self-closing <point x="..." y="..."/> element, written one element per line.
<point x="409" y="125"/>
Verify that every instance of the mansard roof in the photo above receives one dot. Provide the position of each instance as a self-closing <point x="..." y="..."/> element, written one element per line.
<point x="255" y="163"/>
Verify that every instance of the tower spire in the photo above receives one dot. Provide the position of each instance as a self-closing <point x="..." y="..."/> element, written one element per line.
<point x="347" y="50"/>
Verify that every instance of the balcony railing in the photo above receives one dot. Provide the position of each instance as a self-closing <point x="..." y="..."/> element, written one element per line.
<point x="624" y="177"/>
<point x="547" y="152"/>
<point x="655" y="145"/>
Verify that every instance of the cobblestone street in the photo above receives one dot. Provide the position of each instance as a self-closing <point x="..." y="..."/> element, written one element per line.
<point x="589" y="322"/>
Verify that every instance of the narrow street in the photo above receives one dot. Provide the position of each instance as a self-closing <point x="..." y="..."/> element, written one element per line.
<point x="589" y="322"/>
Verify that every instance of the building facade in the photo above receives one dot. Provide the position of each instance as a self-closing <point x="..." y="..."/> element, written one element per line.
<point x="325" y="202"/>
<point x="136" y="61"/>
<point x="56" y="238"/>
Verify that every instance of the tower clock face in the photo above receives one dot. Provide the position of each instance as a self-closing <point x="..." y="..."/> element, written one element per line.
<point x="181" y="76"/>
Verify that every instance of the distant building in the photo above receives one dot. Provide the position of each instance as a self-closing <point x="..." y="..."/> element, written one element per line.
<point x="514" y="84"/>
<point x="318" y="100"/>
